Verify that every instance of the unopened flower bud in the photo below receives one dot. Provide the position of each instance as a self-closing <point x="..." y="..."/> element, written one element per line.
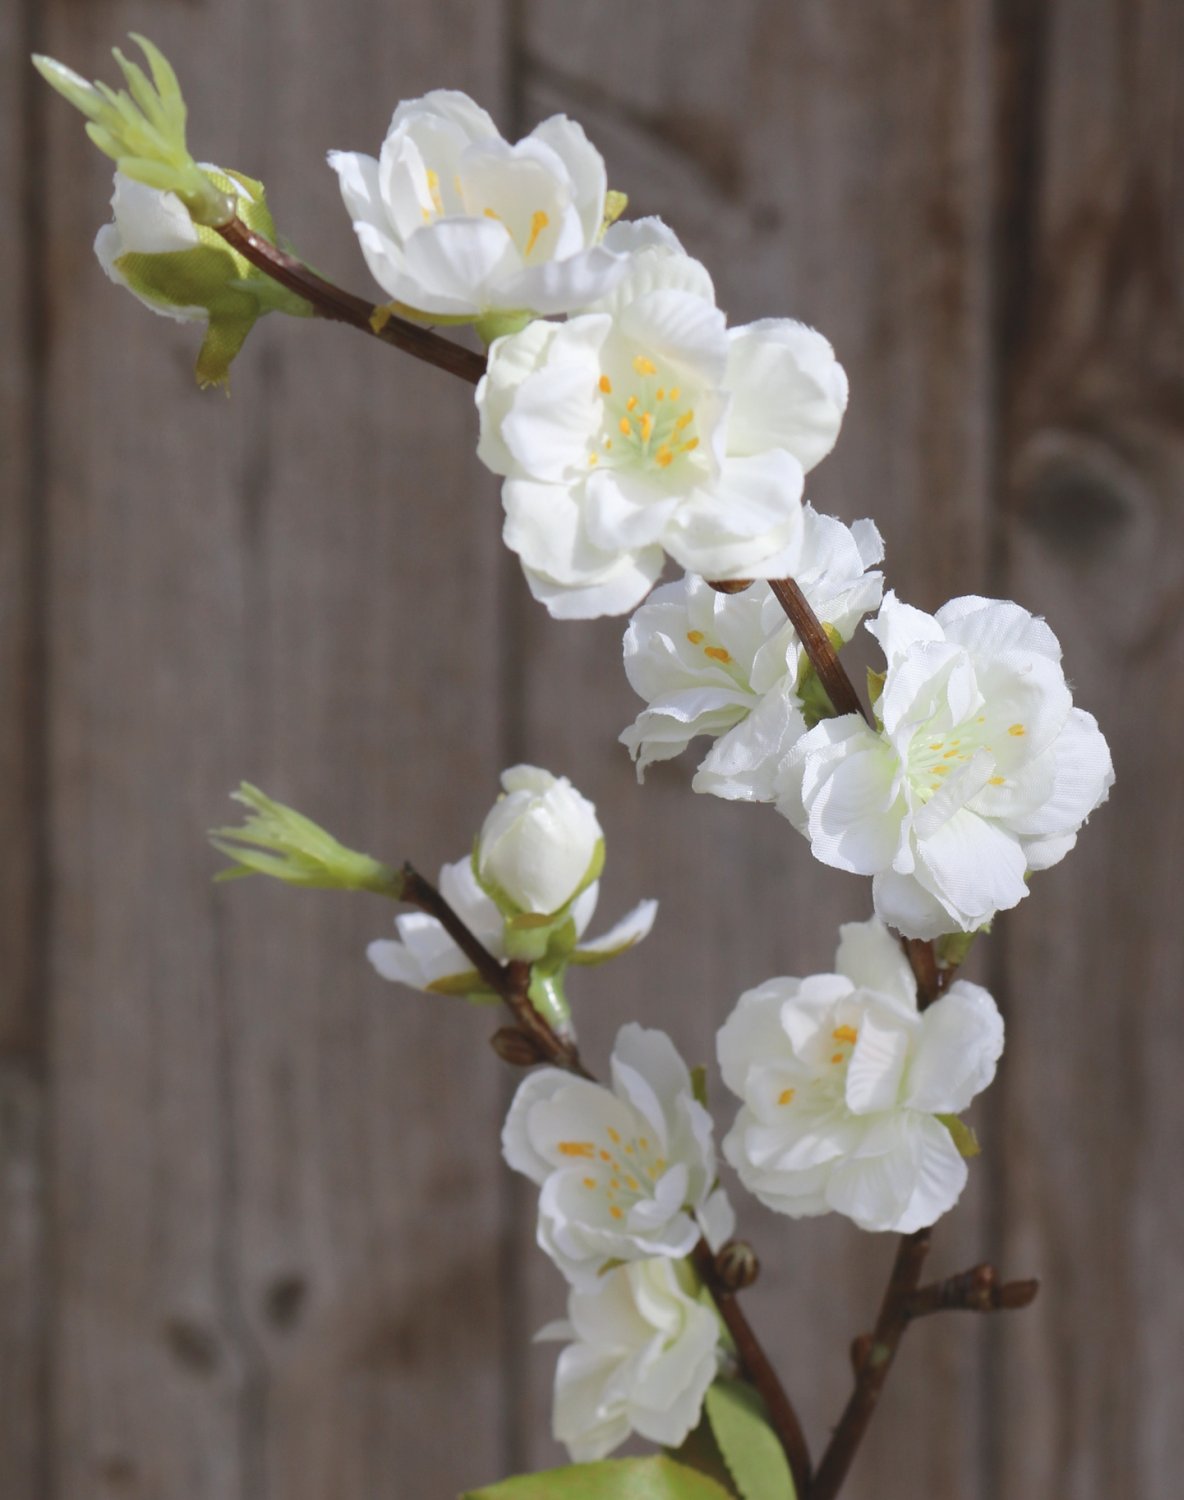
<point x="516" y="1047"/>
<point x="540" y="845"/>
<point x="737" y="1266"/>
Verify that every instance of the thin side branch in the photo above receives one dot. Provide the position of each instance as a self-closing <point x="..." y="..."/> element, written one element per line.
<point x="756" y="1365"/>
<point x="334" y="302"/>
<point x="873" y="1359"/>
<point x="976" y="1290"/>
<point x="511" y="981"/>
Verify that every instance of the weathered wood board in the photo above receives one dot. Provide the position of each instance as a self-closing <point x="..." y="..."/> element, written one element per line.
<point x="256" y="1238"/>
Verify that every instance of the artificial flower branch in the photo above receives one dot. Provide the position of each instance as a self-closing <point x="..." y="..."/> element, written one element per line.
<point x="334" y="302"/>
<point x="976" y="1290"/>
<point x="511" y="982"/>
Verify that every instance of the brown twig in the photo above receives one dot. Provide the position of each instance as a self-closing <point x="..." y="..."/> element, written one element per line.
<point x="976" y="1290"/>
<point x="873" y="1361"/>
<point x="755" y="1363"/>
<point x="511" y="981"/>
<point x="817" y="646"/>
<point x="334" y="302"/>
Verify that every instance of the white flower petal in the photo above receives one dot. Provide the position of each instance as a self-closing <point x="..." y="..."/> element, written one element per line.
<point x="872" y="959"/>
<point x="790" y="391"/>
<point x="959" y="1043"/>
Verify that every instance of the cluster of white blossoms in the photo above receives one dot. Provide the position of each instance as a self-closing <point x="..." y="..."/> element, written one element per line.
<point x="627" y="1187"/>
<point x="630" y="425"/>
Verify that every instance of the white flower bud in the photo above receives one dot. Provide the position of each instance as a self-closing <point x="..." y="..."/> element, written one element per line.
<point x="540" y="843"/>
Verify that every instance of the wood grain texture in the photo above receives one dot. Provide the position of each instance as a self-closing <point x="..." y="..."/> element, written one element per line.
<point x="256" y="1242"/>
<point x="817" y="183"/>
<point x="261" y="1213"/>
<point x="1094" y="467"/>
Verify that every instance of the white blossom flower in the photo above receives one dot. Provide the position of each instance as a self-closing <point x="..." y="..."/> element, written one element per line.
<point x="728" y="665"/>
<point x="425" y="958"/>
<point x="624" y="1173"/>
<point x="454" y="221"/>
<point x="644" y="427"/>
<point x="644" y="1353"/>
<point x="983" y="770"/>
<point x="540" y="842"/>
<point x="843" y="1083"/>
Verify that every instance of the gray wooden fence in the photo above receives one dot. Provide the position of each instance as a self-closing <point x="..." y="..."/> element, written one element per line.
<point x="256" y="1242"/>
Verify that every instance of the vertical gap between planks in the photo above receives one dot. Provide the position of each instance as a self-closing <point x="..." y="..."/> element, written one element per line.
<point x="33" y="1031"/>
<point x="1019" y="70"/>
<point x="513" y="626"/>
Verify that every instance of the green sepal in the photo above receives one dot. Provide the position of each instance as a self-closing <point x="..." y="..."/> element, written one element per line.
<point x="611" y="1265"/>
<point x="699" y="1084"/>
<point x="464" y="986"/>
<point x="498" y="325"/>
<point x="750" y="1448"/>
<point x="962" y="1135"/>
<point x="875" y="685"/>
<point x="812" y="696"/>
<point x="656" y="1478"/>
<point x="953" y="948"/>
<point x="615" y="204"/>
<point x="385" y="311"/>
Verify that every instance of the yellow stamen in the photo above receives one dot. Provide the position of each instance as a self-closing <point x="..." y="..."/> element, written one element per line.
<point x="644" y="366"/>
<point x="623" y="424"/>
<point x="593" y="460"/>
<point x="675" y="392"/>
<point x="837" y="1058"/>
<point x="613" y="1136"/>
<point x="434" y="190"/>
<point x="615" y="1183"/>
<point x="694" y="636"/>
<point x="684" y="421"/>
<point x="786" y="1096"/>
<point x="606" y="385"/>
<point x="643" y="1143"/>
<point x="604" y="1156"/>
<point x="647" y="426"/>
<point x="941" y="770"/>
<point x="717" y="653"/>
<point x="616" y="1212"/>
<point x="998" y="781"/>
<point x="577" y="1148"/>
<point x="629" y="1149"/>
<point x="691" y="446"/>
<point x="937" y="746"/>
<point x="660" y="1164"/>
<point x="589" y="1182"/>
<point x="664" y="456"/>
<point x="631" y="404"/>
<point x="1017" y="730"/>
<point x="491" y="214"/>
<point x="845" y="1034"/>
<point x="631" y="1184"/>
<point x="660" y="394"/>
<point x="538" y="222"/>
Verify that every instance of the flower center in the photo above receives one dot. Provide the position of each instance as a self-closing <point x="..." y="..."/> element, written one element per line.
<point x="933" y="756"/>
<point x="647" y="423"/>
<point x="625" y="1170"/>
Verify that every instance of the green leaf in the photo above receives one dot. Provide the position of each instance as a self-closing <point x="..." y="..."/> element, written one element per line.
<point x="700" y="1452"/>
<point x="962" y="1135"/>
<point x="749" y="1445"/>
<point x="657" y="1478"/>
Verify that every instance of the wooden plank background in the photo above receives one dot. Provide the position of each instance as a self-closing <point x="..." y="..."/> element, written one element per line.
<point x="255" y="1239"/>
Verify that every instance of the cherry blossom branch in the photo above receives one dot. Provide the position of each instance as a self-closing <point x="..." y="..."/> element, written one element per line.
<point x="817" y="646"/>
<point x="334" y="302"/>
<point x="511" y="981"/>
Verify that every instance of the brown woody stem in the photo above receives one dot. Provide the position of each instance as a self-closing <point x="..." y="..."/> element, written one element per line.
<point x="976" y="1290"/>
<point x="330" y="301"/>
<point x="756" y="1365"/>
<point x="873" y="1361"/>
